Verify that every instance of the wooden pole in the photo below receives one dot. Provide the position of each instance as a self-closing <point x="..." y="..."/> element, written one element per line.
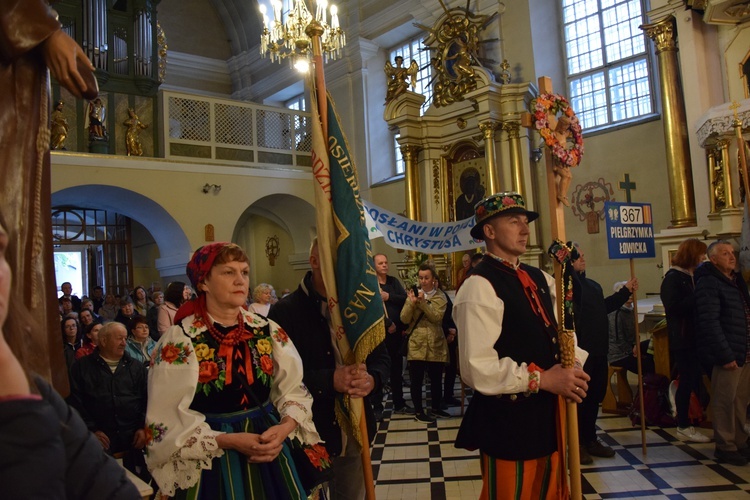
<point x="315" y="31"/>
<point x="557" y="220"/>
<point x="638" y="361"/>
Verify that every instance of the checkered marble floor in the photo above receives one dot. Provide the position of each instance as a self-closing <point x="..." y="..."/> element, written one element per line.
<point x="412" y="460"/>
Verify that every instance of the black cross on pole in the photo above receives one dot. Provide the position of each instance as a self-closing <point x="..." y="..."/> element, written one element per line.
<point x="627" y="186"/>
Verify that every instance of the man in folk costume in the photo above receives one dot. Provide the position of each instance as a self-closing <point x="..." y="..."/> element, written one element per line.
<point x="510" y="355"/>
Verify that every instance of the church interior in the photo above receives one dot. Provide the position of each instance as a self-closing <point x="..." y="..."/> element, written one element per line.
<point x="201" y="133"/>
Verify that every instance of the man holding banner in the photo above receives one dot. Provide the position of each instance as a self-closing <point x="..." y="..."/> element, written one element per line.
<point x="510" y="355"/>
<point x="303" y="314"/>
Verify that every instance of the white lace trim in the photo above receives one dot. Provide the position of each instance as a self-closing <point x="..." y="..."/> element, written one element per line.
<point x="186" y="464"/>
<point x="305" y="430"/>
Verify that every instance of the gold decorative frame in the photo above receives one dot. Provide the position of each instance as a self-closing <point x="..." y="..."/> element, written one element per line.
<point x="457" y="161"/>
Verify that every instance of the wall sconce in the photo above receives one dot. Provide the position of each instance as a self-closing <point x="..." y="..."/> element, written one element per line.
<point x="272" y="249"/>
<point x="208" y="187"/>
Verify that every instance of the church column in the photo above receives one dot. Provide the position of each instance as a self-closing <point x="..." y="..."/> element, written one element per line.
<point x="722" y="147"/>
<point x="516" y="160"/>
<point x="493" y="179"/>
<point x="411" y="176"/>
<point x="679" y="171"/>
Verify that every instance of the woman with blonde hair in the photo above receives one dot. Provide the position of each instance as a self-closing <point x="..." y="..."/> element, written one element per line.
<point x="262" y="297"/>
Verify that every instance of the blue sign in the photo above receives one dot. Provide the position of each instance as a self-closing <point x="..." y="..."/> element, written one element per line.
<point x="630" y="230"/>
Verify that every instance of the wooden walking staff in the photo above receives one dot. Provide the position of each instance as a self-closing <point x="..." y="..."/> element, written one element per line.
<point x="315" y="30"/>
<point x="567" y="342"/>
<point x="628" y="186"/>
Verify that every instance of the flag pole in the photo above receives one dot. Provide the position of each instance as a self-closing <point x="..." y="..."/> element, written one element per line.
<point x="314" y="31"/>
<point x="638" y="361"/>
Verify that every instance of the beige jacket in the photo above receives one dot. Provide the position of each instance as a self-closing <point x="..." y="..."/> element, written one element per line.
<point x="427" y="341"/>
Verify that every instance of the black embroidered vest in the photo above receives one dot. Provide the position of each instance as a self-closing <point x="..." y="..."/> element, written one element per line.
<point x="515" y="426"/>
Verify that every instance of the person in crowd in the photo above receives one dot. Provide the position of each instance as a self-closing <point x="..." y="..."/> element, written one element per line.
<point x="97" y="297"/>
<point x="428" y="349"/>
<point x="510" y="356"/>
<point x="393" y="294"/>
<point x="152" y="317"/>
<point x="678" y="296"/>
<point x="90" y="340"/>
<point x="590" y="310"/>
<point x="225" y="392"/>
<point x="86" y="317"/>
<point x="71" y="339"/>
<point x="46" y="451"/>
<point x="108" y="312"/>
<point x="67" y="293"/>
<point x="140" y="344"/>
<point x="262" y="299"/>
<point x="157" y="297"/>
<point x="177" y="293"/>
<point x="465" y="266"/>
<point x="66" y="306"/>
<point x="451" y="369"/>
<point x="141" y="303"/>
<point x="108" y="388"/>
<point x="622" y="342"/>
<point x="722" y="306"/>
<point x="476" y="258"/>
<point x="127" y="311"/>
<point x="303" y="314"/>
<point x="87" y="303"/>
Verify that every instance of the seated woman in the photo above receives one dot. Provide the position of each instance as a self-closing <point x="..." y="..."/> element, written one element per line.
<point x="225" y="392"/>
<point x="140" y="301"/>
<point x="90" y="340"/>
<point x="428" y="349"/>
<point x="140" y="344"/>
<point x="262" y="296"/>
<point x="109" y="310"/>
<point x="622" y="339"/>
<point x="71" y="339"/>
<point x="46" y="451"/>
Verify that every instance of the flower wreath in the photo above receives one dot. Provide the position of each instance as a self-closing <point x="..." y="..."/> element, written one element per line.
<point x="553" y="103"/>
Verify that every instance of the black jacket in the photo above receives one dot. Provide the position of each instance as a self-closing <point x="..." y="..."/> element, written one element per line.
<point x="47" y="452"/>
<point x="722" y="327"/>
<point x="299" y="314"/>
<point x="678" y="296"/>
<point x="114" y="403"/>
<point x="590" y="310"/>
<point x="395" y="302"/>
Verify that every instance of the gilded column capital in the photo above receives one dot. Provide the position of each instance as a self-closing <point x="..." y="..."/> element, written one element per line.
<point x="488" y="128"/>
<point x="512" y="128"/>
<point x="409" y="151"/>
<point x="722" y="143"/>
<point x="662" y="33"/>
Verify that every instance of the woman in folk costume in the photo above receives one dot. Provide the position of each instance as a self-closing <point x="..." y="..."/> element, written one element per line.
<point x="225" y="392"/>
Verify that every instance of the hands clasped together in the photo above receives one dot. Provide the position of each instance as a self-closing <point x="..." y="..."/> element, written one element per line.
<point x="259" y="448"/>
<point x="353" y="380"/>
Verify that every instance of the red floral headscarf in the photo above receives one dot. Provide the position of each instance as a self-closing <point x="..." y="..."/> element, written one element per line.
<point x="197" y="270"/>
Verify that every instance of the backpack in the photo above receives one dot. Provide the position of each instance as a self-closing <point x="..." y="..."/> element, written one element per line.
<point x="655" y="402"/>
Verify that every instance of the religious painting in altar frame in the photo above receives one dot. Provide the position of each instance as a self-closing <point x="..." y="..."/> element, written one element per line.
<point x="463" y="185"/>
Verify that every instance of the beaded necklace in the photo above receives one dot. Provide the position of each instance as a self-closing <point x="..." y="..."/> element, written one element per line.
<point x="233" y="337"/>
<point x="228" y="342"/>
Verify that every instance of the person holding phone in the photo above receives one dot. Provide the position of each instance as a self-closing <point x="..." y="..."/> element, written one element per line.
<point x="428" y="350"/>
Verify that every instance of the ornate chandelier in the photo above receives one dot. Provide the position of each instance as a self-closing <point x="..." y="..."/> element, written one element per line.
<point x="292" y="37"/>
